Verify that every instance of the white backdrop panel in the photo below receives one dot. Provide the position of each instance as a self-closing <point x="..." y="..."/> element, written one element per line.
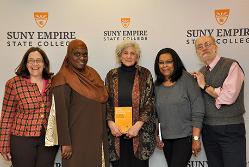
<point x="164" y="22"/>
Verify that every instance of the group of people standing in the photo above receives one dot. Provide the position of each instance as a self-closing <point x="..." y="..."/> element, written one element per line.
<point x="207" y="103"/>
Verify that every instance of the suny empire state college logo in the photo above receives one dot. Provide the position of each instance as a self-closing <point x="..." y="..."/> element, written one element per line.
<point x="221" y="15"/>
<point x="125" y="22"/>
<point x="41" y="18"/>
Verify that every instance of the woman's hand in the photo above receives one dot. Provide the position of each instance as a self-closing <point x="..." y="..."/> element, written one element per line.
<point x="196" y="142"/>
<point x="6" y="157"/>
<point x="66" y="152"/>
<point x="196" y="147"/>
<point x="114" y="129"/>
<point x="133" y="131"/>
<point x="159" y="143"/>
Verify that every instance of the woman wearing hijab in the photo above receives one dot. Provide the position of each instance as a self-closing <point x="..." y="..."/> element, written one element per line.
<point x="80" y="98"/>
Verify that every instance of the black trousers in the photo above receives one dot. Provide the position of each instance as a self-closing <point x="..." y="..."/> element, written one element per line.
<point x="225" y="145"/>
<point x="31" y="152"/>
<point x="127" y="158"/>
<point x="178" y="151"/>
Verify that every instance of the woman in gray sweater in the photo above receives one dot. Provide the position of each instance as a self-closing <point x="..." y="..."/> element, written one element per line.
<point x="179" y="107"/>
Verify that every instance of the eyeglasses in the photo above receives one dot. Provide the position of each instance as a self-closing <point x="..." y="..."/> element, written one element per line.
<point x="206" y="45"/>
<point x="169" y="62"/>
<point x="33" y="61"/>
<point x="79" y="54"/>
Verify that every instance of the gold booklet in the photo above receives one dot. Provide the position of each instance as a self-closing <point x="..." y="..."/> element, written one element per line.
<point x="123" y="118"/>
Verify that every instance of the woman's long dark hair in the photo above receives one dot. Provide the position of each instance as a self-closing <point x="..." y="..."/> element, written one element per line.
<point x="177" y="63"/>
<point x="22" y="69"/>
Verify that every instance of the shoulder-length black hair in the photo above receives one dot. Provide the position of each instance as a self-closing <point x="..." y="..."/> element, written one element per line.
<point x="22" y="69"/>
<point x="177" y="63"/>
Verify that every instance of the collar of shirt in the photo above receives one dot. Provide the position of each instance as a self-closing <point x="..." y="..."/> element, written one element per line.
<point x="214" y="62"/>
<point x="43" y="87"/>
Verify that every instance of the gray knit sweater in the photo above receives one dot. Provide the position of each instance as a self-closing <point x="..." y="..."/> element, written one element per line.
<point x="179" y="107"/>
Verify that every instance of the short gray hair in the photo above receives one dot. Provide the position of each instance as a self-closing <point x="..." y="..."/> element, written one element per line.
<point x="125" y="44"/>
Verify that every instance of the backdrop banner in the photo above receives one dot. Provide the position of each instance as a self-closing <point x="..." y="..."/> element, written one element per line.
<point x="153" y="24"/>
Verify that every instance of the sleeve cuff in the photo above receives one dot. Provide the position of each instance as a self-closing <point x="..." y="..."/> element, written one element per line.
<point x="197" y="125"/>
<point x="144" y="119"/>
<point x="217" y="91"/>
<point x="217" y="105"/>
